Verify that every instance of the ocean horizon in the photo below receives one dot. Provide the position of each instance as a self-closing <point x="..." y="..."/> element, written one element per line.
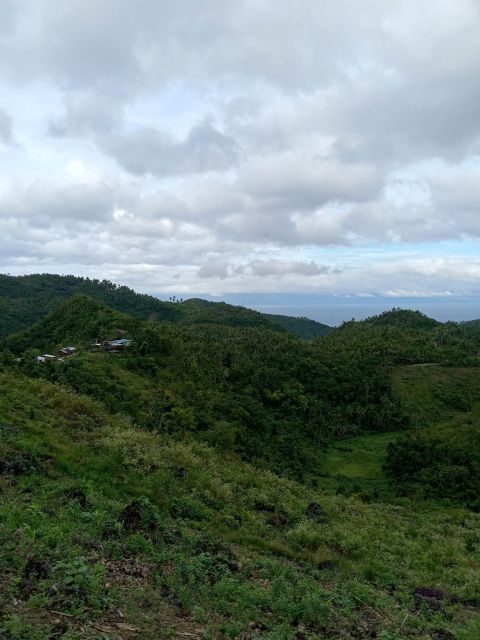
<point x="333" y="310"/>
<point x="335" y="314"/>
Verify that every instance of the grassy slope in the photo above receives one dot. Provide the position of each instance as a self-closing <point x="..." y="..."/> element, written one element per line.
<point x="356" y="465"/>
<point x="220" y="548"/>
<point x="436" y="400"/>
<point x="433" y="394"/>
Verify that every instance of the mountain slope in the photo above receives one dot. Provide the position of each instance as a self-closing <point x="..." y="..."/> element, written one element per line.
<point x="198" y="311"/>
<point x="440" y="456"/>
<point x="26" y="299"/>
<point x="303" y="327"/>
<point x="139" y="536"/>
<point x="79" y="320"/>
<point x="262" y="395"/>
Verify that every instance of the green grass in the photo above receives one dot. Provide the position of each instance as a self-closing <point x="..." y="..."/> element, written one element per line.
<point x="434" y="394"/>
<point x="218" y="548"/>
<point x="357" y="463"/>
<point x="435" y="398"/>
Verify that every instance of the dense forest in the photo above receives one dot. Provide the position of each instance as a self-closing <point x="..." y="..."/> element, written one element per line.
<point x="223" y="476"/>
<point x="26" y="299"/>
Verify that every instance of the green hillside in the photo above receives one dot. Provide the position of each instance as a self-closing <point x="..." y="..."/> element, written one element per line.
<point x="437" y="457"/>
<point x="303" y="327"/>
<point x="80" y="320"/>
<point x="197" y="311"/>
<point x="26" y="299"/>
<point x="109" y="531"/>
<point x="265" y="396"/>
<point x="440" y="458"/>
<point x="403" y="318"/>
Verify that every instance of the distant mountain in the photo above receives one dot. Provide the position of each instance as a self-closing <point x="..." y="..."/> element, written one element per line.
<point x="474" y="324"/>
<point x="303" y="327"/>
<point x="78" y="320"/>
<point x="405" y="318"/>
<point x="26" y="299"/>
<point x="198" y="311"/>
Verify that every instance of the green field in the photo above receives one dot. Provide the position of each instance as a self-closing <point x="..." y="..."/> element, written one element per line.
<point x="356" y="464"/>
<point x="434" y="397"/>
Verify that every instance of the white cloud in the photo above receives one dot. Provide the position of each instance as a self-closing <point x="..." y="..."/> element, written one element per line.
<point x="148" y="151"/>
<point x="6" y="128"/>
<point x="288" y="145"/>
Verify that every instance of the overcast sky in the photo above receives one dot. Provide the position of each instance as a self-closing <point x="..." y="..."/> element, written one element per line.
<point x="221" y="146"/>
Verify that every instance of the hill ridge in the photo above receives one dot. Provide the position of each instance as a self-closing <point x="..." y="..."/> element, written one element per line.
<point x="25" y="299"/>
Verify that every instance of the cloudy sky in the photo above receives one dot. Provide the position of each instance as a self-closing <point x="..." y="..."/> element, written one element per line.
<point x="243" y="145"/>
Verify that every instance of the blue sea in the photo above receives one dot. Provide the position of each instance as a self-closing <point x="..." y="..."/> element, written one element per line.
<point x="335" y="314"/>
<point x="333" y="310"/>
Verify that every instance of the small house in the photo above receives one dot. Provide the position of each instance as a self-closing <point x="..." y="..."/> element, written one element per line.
<point x="116" y="346"/>
<point x="47" y="357"/>
<point x="112" y="346"/>
<point x="67" y="351"/>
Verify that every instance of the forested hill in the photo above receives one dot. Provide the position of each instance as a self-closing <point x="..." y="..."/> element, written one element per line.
<point x="26" y="299"/>
<point x="260" y="394"/>
<point x="79" y="320"/>
<point x="303" y="327"/>
<point x="264" y="395"/>
<point x="405" y="318"/>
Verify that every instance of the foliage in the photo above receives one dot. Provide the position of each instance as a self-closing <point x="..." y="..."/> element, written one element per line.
<point x="263" y="395"/>
<point x="104" y="518"/>
<point x="441" y="458"/>
<point x="162" y="482"/>
<point x="26" y="299"/>
<point x="404" y="318"/>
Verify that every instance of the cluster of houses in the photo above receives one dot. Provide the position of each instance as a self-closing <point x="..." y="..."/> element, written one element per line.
<point x="111" y="346"/>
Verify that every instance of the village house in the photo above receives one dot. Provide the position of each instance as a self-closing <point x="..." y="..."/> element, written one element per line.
<point x="67" y="351"/>
<point x="46" y="357"/>
<point x="112" y="346"/>
<point x="116" y="346"/>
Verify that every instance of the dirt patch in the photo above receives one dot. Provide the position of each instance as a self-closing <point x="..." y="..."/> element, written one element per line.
<point x="16" y="465"/>
<point x="35" y="569"/>
<point x="78" y="495"/>
<point x="315" y="512"/>
<point x="428" y="597"/>
<point x="128" y="572"/>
